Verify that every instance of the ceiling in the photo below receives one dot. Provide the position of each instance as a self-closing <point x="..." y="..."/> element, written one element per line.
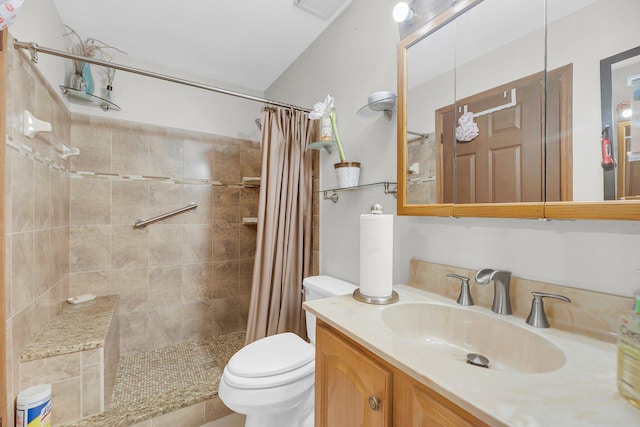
<point x="246" y="43"/>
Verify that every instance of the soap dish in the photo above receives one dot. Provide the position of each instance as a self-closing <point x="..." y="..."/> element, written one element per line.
<point x="81" y="298"/>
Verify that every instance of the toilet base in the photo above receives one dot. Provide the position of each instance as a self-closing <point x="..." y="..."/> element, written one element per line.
<point x="299" y="416"/>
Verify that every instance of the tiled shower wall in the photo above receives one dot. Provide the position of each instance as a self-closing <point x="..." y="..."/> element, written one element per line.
<point x="421" y="159"/>
<point x="186" y="277"/>
<point x="36" y="214"/>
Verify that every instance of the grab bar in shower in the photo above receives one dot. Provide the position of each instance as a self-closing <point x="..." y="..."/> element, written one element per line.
<point x="143" y="222"/>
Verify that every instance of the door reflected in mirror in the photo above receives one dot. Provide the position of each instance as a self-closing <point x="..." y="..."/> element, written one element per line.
<point x="463" y="83"/>
<point x="499" y="141"/>
<point x="499" y="111"/>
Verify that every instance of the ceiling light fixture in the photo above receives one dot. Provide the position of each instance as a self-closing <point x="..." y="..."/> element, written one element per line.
<point x="402" y="12"/>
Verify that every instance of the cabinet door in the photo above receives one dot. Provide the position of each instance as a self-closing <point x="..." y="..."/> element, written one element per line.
<point x="416" y="405"/>
<point x="349" y="382"/>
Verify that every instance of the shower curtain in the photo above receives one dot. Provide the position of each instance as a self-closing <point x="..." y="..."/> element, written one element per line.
<point x="283" y="247"/>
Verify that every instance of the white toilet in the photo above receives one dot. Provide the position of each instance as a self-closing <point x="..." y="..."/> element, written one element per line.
<point x="271" y="380"/>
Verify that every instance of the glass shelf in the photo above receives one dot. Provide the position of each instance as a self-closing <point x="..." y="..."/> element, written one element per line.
<point x="334" y="191"/>
<point x="319" y="145"/>
<point x="87" y="99"/>
<point x="381" y="101"/>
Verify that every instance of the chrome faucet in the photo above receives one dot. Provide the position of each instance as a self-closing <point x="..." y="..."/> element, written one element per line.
<point x="501" y="280"/>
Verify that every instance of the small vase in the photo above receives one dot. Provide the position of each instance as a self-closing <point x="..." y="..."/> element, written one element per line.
<point x="326" y="132"/>
<point x="88" y="78"/>
<point x="77" y="82"/>
<point x="348" y="174"/>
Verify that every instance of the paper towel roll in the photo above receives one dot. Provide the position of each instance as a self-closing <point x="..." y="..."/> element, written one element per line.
<point x="376" y="255"/>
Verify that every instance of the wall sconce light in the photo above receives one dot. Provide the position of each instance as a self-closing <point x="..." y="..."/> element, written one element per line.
<point x="402" y="12"/>
<point x="624" y="111"/>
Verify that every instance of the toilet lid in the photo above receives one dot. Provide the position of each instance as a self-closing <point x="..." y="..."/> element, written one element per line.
<point x="270" y="356"/>
<point x="303" y="373"/>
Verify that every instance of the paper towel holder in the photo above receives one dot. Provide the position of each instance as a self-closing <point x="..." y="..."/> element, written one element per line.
<point x="376" y="300"/>
<point x="390" y="299"/>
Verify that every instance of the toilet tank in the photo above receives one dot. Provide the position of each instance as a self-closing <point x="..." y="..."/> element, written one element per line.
<point x="322" y="287"/>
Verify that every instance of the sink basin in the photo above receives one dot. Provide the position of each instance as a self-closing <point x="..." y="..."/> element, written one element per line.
<point x="455" y="332"/>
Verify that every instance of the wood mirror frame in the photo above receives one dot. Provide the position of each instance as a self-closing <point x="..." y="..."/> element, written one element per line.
<point x="611" y="209"/>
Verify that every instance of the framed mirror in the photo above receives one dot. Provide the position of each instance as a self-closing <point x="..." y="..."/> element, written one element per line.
<point x="532" y="128"/>
<point x="430" y="80"/>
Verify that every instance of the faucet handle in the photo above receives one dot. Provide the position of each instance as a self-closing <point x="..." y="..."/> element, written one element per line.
<point x="537" y="317"/>
<point x="465" y="295"/>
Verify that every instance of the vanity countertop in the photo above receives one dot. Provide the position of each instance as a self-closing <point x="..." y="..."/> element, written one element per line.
<point x="582" y="392"/>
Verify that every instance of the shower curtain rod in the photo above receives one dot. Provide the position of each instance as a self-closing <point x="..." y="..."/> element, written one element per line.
<point x="34" y="48"/>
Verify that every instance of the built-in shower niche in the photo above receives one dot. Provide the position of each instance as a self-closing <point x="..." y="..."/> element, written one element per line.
<point x="77" y="353"/>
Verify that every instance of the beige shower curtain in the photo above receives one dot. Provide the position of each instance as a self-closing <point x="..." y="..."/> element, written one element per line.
<point x="283" y="251"/>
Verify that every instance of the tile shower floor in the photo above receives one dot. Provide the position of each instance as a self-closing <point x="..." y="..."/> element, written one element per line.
<point x="164" y="380"/>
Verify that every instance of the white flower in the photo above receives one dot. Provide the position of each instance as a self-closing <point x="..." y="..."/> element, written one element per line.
<point x="327" y="109"/>
<point x="322" y="109"/>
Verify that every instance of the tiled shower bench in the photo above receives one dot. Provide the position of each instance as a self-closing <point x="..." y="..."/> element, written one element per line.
<point x="77" y="353"/>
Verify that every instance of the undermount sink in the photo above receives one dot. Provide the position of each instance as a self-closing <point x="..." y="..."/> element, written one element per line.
<point x="456" y="332"/>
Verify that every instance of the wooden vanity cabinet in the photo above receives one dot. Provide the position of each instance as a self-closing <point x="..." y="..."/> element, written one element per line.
<point x="354" y="387"/>
<point x="414" y="404"/>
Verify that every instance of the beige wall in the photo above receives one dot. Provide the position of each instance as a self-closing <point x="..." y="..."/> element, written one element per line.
<point x="186" y="277"/>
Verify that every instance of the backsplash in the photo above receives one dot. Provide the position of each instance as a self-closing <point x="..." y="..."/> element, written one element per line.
<point x="589" y="313"/>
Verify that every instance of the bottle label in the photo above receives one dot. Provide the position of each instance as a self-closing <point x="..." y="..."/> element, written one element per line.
<point x="629" y="357"/>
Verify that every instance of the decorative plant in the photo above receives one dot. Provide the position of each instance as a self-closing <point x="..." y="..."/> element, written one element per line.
<point x="326" y="109"/>
<point x="89" y="47"/>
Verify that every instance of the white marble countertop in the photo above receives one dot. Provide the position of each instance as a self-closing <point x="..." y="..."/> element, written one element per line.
<point x="580" y="393"/>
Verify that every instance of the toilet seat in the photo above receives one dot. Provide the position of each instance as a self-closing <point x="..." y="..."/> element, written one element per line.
<point x="269" y="381"/>
<point x="270" y="362"/>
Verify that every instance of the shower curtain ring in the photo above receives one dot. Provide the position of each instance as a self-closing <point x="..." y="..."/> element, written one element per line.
<point x="33" y="48"/>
